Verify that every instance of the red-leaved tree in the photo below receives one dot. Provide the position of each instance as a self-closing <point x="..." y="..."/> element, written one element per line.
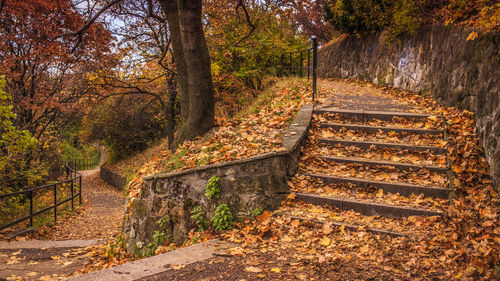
<point x="44" y="63"/>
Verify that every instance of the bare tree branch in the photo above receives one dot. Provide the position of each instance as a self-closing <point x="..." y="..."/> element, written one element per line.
<point x="95" y="17"/>
<point x="241" y="5"/>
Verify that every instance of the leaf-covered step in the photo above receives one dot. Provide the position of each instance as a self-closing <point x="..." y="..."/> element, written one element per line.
<point x="368" y="144"/>
<point x="380" y="128"/>
<point x="365" y="115"/>
<point x="388" y="137"/>
<point x="419" y="158"/>
<point x="397" y="165"/>
<point x="350" y="227"/>
<point x="365" y="208"/>
<point x="431" y="123"/>
<point x="404" y="189"/>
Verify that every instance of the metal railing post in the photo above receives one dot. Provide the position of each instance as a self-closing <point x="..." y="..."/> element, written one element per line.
<point x="31" y="208"/>
<point x="308" y="63"/>
<point x="80" y="185"/>
<point x="282" y="64"/>
<point x="72" y="196"/>
<point x="55" y="203"/>
<point x="300" y="64"/>
<point x="315" y="65"/>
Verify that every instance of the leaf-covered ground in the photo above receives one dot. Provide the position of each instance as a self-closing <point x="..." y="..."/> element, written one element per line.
<point x="464" y="244"/>
<point x="305" y="242"/>
<point x="260" y="131"/>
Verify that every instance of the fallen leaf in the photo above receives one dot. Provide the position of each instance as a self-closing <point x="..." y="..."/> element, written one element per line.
<point x="253" y="269"/>
<point x="472" y="36"/>
<point x="325" y="241"/>
<point x="275" y="270"/>
<point x="178" y="266"/>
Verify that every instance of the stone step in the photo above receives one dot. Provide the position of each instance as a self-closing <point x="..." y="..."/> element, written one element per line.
<point x="365" y="208"/>
<point x="150" y="267"/>
<point x="404" y="189"/>
<point x="397" y="165"/>
<point x="46" y="244"/>
<point x="367" y="144"/>
<point x="377" y="128"/>
<point x="366" y="115"/>
<point x="349" y="227"/>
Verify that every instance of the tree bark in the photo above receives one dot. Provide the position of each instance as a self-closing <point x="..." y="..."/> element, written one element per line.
<point x="201" y="90"/>
<point x="169" y="7"/>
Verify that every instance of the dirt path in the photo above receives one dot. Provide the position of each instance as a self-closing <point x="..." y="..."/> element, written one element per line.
<point x="101" y="216"/>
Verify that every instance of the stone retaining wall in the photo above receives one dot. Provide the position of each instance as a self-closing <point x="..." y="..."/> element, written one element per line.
<point x="436" y="60"/>
<point x="246" y="184"/>
<point x="112" y="178"/>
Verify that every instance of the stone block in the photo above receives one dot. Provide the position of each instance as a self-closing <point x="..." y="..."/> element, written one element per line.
<point x="139" y="207"/>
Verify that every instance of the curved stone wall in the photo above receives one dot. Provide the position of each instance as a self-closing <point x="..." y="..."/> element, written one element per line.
<point x="245" y="184"/>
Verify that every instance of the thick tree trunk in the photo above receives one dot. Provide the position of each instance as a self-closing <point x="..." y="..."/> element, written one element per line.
<point x="169" y="7"/>
<point x="201" y="91"/>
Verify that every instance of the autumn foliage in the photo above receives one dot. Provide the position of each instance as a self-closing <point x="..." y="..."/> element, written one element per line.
<point x="44" y="61"/>
<point x="401" y="17"/>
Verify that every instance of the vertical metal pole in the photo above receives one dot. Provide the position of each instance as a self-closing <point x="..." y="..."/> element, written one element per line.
<point x="80" y="195"/>
<point x="31" y="208"/>
<point x="308" y="63"/>
<point x="72" y="195"/>
<point x="300" y="64"/>
<point x="55" y="202"/>
<point x="315" y="65"/>
<point x="282" y="64"/>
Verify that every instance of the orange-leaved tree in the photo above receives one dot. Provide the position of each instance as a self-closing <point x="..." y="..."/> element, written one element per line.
<point x="43" y="64"/>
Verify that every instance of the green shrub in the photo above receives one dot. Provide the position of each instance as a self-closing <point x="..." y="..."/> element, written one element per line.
<point x="199" y="216"/>
<point x="256" y="212"/>
<point x="223" y="218"/>
<point x="362" y="17"/>
<point x="212" y="190"/>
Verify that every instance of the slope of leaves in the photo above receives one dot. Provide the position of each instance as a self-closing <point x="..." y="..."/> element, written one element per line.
<point x="481" y="14"/>
<point x="259" y="132"/>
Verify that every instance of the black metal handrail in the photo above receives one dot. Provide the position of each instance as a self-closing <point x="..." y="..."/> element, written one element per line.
<point x="292" y="63"/>
<point x="74" y="178"/>
<point x="85" y="163"/>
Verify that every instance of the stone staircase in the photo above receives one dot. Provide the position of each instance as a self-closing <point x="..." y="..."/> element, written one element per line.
<point x="381" y="164"/>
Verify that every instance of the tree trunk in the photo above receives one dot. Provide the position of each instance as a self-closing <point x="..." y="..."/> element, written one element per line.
<point x="169" y="7"/>
<point x="201" y="91"/>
